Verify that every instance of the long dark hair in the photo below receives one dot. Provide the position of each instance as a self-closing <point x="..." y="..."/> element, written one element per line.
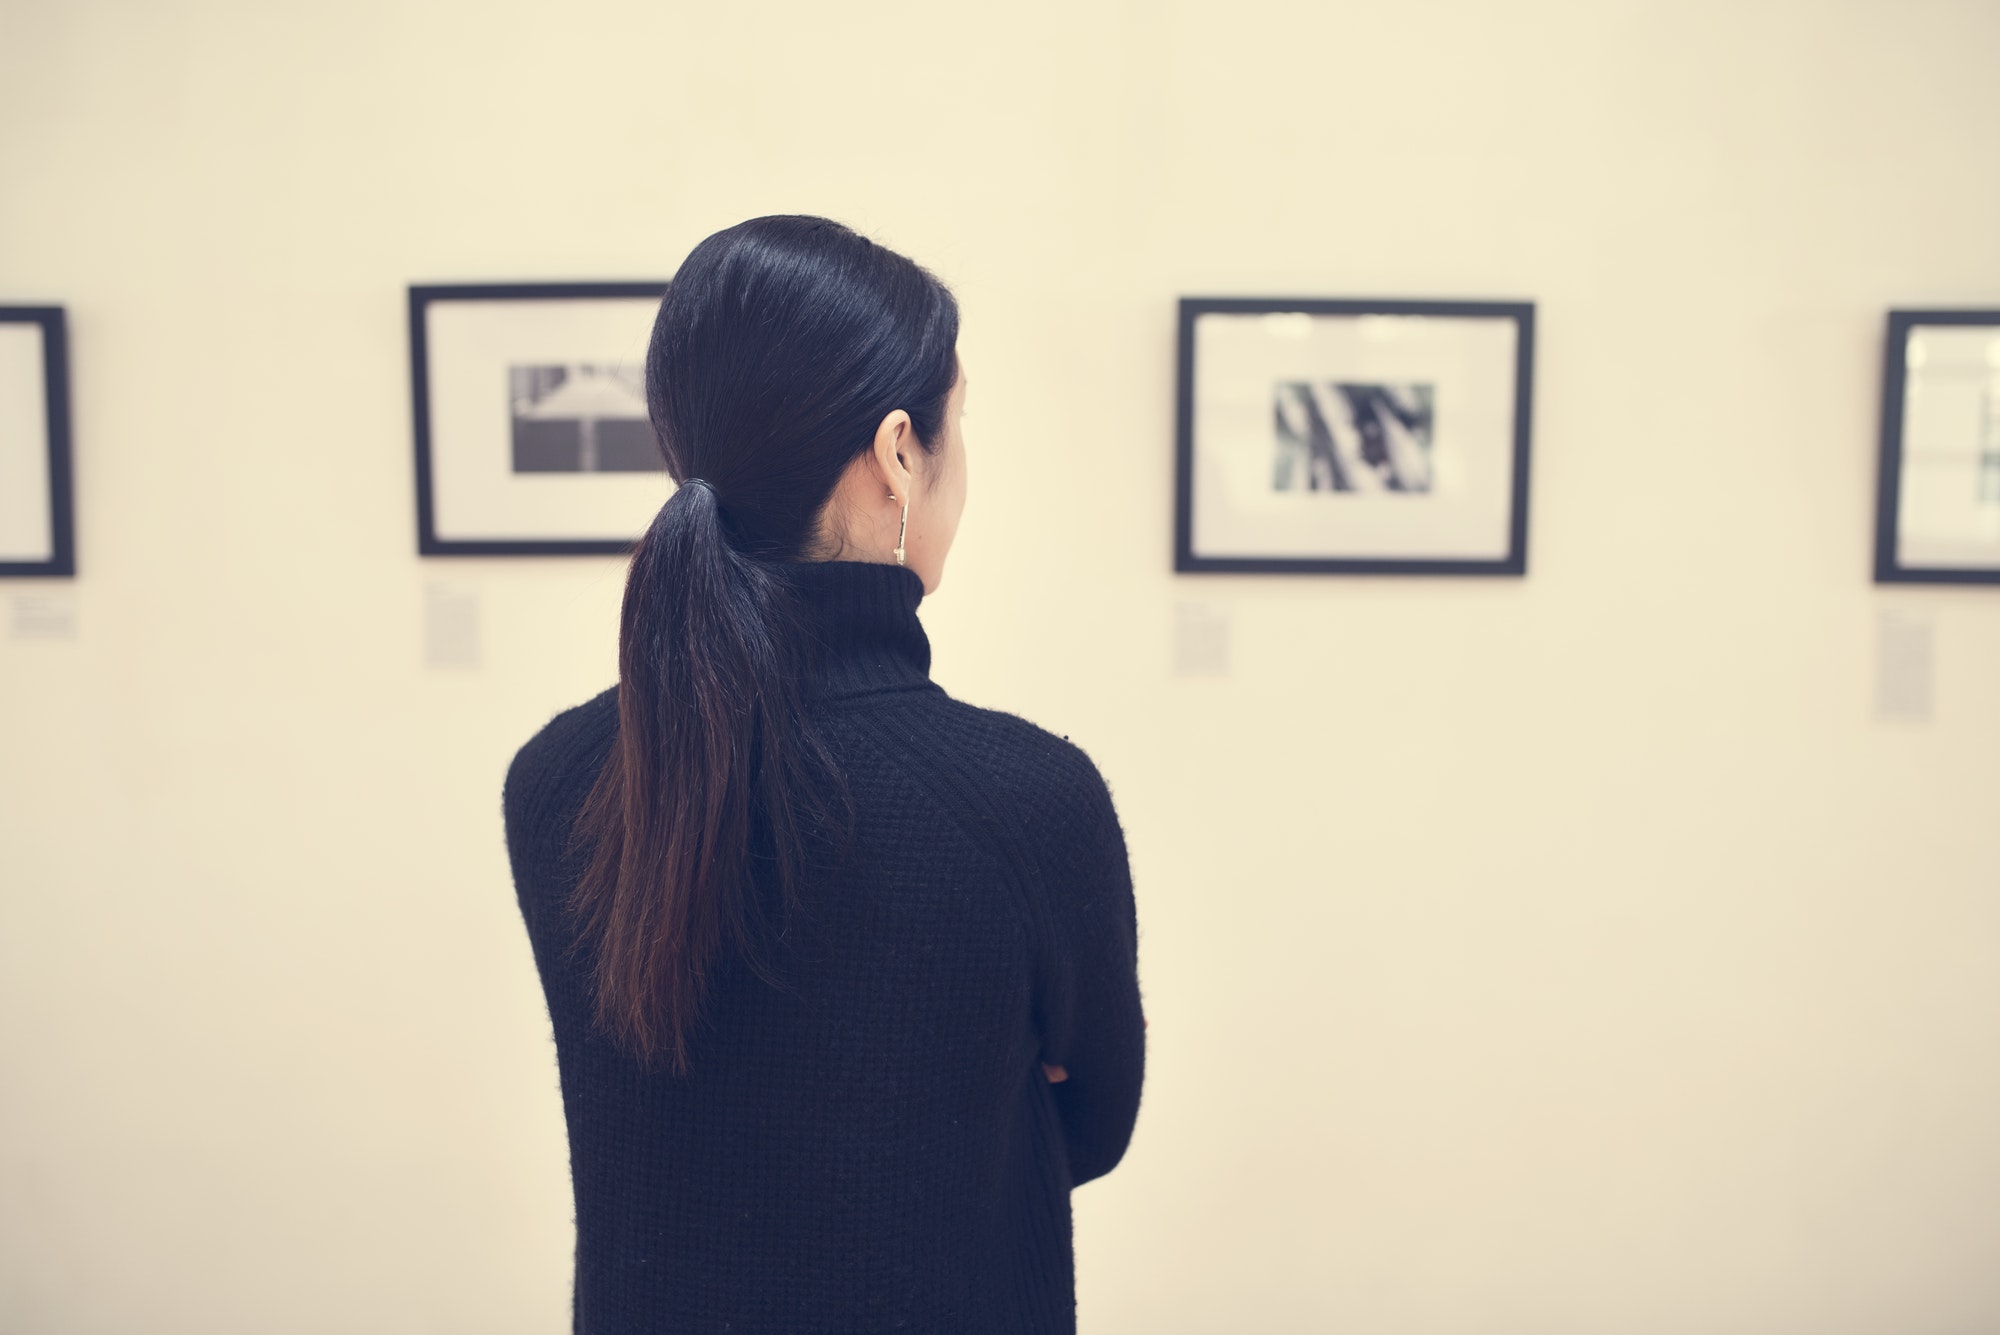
<point x="780" y="346"/>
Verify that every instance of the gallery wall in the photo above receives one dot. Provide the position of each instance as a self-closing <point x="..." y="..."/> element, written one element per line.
<point x="1584" y="952"/>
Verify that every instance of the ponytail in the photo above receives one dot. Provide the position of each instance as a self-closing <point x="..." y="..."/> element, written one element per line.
<point x="716" y="785"/>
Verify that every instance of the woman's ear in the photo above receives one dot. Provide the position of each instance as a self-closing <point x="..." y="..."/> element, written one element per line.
<point x="895" y="432"/>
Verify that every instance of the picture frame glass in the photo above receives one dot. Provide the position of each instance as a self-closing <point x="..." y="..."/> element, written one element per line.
<point x="1948" y="485"/>
<point x="1353" y="436"/>
<point x="537" y="419"/>
<point x="27" y="521"/>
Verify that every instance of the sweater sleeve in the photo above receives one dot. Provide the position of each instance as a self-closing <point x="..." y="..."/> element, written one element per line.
<point x="544" y="786"/>
<point x="1088" y="1003"/>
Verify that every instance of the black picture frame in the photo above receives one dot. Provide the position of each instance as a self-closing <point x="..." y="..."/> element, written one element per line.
<point x="56" y="409"/>
<point x="1889" y="567"/>
<point x="421" y="297"/>
<point x="1513" y="563"/>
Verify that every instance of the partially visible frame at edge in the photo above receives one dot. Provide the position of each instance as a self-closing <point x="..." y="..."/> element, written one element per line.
<point x="1889" y="475"/>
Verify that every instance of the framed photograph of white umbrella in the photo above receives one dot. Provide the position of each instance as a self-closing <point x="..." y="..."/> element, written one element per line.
<point x="532" y="437"/>
<point x="1321" y="436"/>
<point x="1938" y="492"/>
<point x="37" y="510"/>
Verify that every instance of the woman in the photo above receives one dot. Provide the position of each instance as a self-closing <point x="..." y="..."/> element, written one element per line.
<point x="841" y="970"/>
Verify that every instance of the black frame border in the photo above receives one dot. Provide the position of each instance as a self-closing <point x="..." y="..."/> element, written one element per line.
<point x="62" y="483"/>
<point x="1889" y="465"/>
<point x="1192" y="308"/>
<point x="420" y="298"/>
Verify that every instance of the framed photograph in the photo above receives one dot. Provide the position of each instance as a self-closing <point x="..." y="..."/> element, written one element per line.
<point x="1353" y="437"/>
<point x="531" y="428"/>
<point x="1937" y="518"/>
<point x="37" y="514"/>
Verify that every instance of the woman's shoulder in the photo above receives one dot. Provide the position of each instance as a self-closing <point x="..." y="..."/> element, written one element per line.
<point x="1038" y="793"/>
<point x="1031" y="768"/>
<point x="566" y="752"/>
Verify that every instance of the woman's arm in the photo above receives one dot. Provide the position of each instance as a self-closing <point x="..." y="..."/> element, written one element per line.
<point x="1093" y="1028"/>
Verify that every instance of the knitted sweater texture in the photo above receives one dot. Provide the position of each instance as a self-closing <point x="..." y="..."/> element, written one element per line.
<point x="870" y="1144"/>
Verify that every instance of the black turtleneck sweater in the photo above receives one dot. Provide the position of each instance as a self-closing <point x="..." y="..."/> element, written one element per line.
<point x="873" y="1146"/>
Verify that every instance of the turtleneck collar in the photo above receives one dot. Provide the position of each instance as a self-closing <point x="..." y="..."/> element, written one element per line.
<point x="862" y="619"/>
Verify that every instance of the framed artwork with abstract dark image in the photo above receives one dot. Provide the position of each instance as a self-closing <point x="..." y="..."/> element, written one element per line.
<point x="1938" y="492"/>
<point x="37" y="508"/>
<point x="1353" y="437"/>
<point x="532" y="437"/>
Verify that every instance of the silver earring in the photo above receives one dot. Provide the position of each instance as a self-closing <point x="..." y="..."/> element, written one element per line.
<point x="901" y="529"/>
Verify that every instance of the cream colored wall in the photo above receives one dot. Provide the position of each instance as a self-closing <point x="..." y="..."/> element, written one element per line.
<point x="1573" y="954"/>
